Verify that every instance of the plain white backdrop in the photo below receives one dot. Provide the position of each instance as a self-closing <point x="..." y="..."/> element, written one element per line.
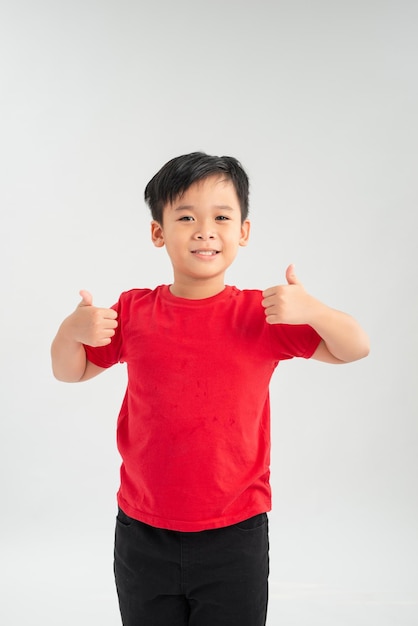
<point x="318" y="100"/>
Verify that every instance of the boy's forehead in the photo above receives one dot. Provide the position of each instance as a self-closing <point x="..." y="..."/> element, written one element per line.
<point x="211" y="187"/>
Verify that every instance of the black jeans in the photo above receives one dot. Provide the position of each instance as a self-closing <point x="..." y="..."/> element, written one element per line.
<point x="209" y="578"/>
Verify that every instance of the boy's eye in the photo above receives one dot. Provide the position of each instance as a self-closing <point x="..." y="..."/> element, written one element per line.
<point x="222" y="218"/>
<point x="185" y="218"/>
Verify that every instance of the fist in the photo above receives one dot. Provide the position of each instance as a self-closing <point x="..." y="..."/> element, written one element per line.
<point x="92" y="325"/>
<point x="287" y="304"/>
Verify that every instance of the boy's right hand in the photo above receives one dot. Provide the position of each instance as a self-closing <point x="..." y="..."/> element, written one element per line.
<point x="91" y="325"/>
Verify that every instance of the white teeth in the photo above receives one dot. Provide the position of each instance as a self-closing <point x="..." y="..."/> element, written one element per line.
<point x="205" y="252"/>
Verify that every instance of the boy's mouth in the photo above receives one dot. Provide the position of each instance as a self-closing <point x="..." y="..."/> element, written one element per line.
<point x="205" y="252"/>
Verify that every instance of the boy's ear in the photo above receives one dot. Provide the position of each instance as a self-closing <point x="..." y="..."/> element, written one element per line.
<point x="245" y="233"/>
<point x="157" y="234"/>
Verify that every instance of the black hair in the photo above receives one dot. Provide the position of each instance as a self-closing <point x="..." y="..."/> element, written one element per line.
<point x="178" y="174"/>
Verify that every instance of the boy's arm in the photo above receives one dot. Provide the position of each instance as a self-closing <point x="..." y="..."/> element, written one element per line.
<point x="87" y="325"/>
<point x="343" y="339"/>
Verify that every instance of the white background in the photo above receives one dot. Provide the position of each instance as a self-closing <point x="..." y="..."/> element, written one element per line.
<point x="318" y="99"/>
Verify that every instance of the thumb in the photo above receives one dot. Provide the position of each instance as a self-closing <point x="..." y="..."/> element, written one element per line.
<point x="291" y="277"/>
<point x="87" y="298"/>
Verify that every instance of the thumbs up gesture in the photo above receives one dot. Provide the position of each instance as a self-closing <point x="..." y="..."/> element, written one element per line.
<point x="92" y="325"/>
<point x="287" y="304"/>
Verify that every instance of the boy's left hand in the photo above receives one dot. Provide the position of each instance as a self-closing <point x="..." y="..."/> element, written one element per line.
<point x="287" y="304"/>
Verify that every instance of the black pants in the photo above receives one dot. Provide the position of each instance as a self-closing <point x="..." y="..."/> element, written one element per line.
<point x="209" y="578"/>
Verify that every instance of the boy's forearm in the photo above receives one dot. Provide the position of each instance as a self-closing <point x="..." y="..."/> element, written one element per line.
<point x="342" y="334"/>
<point x="343" y="338"/>
<point x="68" y="357"/>
<point x="87" y="325"/>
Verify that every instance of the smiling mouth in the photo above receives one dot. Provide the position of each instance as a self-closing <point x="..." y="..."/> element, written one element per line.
<point x="205" y="252"/>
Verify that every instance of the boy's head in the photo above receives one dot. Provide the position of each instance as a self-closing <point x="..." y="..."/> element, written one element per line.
<point x="176" y="176"/>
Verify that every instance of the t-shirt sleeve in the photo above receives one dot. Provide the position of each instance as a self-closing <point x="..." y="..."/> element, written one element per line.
<point x="106" y="356"/>
<point x="289" y="341"/>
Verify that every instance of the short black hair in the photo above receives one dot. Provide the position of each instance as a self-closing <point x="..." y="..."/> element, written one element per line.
<point x="178" y="174"/>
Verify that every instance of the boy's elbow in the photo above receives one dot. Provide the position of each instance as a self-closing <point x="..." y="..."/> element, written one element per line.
<point x="365" y="348"/>
<point x="65" y="374"/>
<point x="362" y="351"/>
<point x="63" y="377"/>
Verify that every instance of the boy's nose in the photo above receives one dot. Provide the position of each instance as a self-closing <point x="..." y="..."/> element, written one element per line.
<point x="204" y="237"/>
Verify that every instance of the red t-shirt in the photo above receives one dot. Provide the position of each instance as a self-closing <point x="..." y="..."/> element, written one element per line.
<point x="194" y="427"/>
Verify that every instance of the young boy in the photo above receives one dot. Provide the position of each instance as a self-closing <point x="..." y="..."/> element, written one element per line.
<point x="191" y="543"/>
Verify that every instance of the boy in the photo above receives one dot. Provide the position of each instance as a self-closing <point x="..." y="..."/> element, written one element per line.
<point x="191" y="543"/>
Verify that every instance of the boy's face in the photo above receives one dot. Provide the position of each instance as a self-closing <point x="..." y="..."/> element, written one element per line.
<point x="202" y="231"/>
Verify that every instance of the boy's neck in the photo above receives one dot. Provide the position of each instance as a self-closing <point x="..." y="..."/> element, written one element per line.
<point x="198" y="290"/>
